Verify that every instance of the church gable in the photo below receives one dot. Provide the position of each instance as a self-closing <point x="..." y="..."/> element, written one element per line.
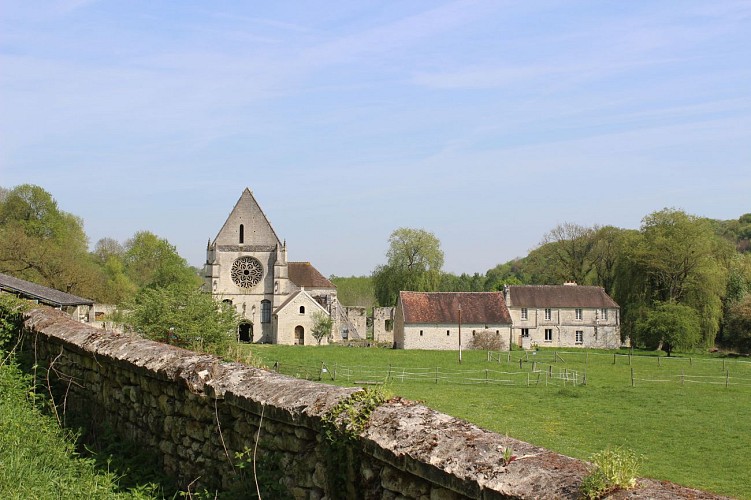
<point x="247" y="226"/>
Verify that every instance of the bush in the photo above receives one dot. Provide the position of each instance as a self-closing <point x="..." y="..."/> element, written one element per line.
<point x="486" y="340"/>
<point x="611" y="470"/>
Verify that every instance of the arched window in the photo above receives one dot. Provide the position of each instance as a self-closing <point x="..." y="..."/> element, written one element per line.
<point x="302" y="309"/>
<point x="265" y="311"/>
<point x="242" y="234"/>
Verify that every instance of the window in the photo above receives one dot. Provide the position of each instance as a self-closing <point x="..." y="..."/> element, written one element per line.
<point x="242" y="234"/>
<point x="302" y="309"/>
<point x="548" y="314"/>
<point x="579" y="314"/>
<point x="420" y="333"/>
<point x="525" y="333"/>
<point x="604" y="314"/>
<point x="525" y="314"/>
<point x="265" y="311"/>
<point x="579" y="337"/>
<point x="389" y="325"/>
<point x="548" y="335"/>
<point x="448" y="332"/>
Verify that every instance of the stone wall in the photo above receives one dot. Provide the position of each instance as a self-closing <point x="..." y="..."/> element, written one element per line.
<point x="197" y="413"/>
<point x="383" y="331"/>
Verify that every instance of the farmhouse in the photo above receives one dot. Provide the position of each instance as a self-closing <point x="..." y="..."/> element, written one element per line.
<point x="563" y="316"/>
<point x="437" y="320"/>
<point x="246" y="266"/>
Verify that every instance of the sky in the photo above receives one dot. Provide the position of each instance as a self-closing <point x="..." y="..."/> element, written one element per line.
<point x="487" y="123"/>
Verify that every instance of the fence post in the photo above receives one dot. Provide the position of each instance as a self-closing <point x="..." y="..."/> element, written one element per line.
<point x="682" y="376"/>
<point x="727" y="378"/>
<point x="335" y="364"/>
<point x="723" y="365"/>
<point x="436" y="374"/>
<point x="520" y="363"/>
<point x="658" y="361"/>
<point x="632" y="377"/>
<point x="546" y="378"/>
<point x="508" y="357"/>
<point x="586" y="358"/>
<point x="613" y="358"/>
<point x="527" y="379"/>
<point x="629" y="359"/>
<point x="486" y="375"/>
<point x="388" y="376"/>
<point x="690" y="361"/>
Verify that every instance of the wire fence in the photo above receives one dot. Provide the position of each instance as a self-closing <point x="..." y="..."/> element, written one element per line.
<point x="540" y="368"/>
<point x="364" y="375"/>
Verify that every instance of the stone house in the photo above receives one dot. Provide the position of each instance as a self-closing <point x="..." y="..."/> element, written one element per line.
<point x="441" y="320"/>
<point x="246" y="266"/>
<point x="563" y="316"/>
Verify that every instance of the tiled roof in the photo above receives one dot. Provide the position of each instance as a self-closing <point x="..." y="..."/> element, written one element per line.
<point x="43" y="294"/>
<point x="443" y="307"/>
<point x="303" y="274"/>
<point x="559" y="296"/>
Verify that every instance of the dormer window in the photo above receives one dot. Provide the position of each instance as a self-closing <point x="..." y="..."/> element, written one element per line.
<point x="242" y="234"/>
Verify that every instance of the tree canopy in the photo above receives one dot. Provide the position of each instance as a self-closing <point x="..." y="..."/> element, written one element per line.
<point x="414" y="262"/>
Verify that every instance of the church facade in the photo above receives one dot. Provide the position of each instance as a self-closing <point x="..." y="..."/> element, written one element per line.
<point x="246" y="267"/>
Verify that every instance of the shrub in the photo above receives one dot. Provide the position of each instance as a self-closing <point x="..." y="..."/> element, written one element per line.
<point x="611" y="470"/>
<point x="486" y="340"/>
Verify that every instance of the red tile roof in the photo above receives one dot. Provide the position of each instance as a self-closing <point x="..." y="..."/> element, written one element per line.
<point x="443" y="307"/>
<point x="559" y="296"/>
<point x="303" y="274"/>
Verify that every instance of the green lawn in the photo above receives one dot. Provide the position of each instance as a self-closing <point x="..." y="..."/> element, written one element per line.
<point x="679" y="415"/>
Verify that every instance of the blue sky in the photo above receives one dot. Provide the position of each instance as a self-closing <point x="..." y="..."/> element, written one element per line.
<point x="486" y="122"/>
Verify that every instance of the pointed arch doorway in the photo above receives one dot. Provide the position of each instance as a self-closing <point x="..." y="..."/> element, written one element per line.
<point x="245" y="331"/>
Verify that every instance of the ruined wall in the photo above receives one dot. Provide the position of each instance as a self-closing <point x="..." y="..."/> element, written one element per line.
<point x="383" y="332"/>
<point x="198" y="412"/>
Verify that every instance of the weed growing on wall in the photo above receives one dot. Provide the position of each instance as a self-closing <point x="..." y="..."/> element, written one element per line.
<point x="612" y="469"/>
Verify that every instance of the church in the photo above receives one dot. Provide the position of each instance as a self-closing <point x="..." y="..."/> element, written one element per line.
<point x="246" y="267"/>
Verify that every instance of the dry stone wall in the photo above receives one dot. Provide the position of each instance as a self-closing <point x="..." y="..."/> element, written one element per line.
<point x="199" y="413"/>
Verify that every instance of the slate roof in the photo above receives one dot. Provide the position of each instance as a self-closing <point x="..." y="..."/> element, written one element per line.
<point x="559" y="296"/>
<point x="443" y="307"/>
<point x="303" y="274"/>
<point x="43" y="294"/>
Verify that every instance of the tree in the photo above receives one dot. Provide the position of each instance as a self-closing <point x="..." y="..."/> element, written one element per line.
<point x="41" y="243"/>
<point x="322" y="325"/>
<point x="670" y="326"/>
<point x="571" y="248"/>
<point x="153" y="262"/>
<point x="737" y="328"/>
<point x="182" y="316"/>
<point x="414" y="262"/>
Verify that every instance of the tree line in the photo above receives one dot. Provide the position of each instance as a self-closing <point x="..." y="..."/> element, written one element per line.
<point x="682" y="281"/>
<point x="157" y="292"/>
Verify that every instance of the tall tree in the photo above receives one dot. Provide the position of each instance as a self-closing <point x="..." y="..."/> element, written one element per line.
<point x="153" y="262"/>
<point x="571" y="247"/>
<point x="677" y="259"/>
<point x="41" y="243"/>
<point x="414" y="262"/>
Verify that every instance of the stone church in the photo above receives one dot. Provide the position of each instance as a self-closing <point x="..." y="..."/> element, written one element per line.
<point x="246" y="266"/>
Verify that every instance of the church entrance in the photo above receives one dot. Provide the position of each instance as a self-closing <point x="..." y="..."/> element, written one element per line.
<point x="245" y="332"/>
<point x="299" y="335"/>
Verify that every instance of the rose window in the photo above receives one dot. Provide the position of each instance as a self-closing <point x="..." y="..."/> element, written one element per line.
<point x="247" y="272"/>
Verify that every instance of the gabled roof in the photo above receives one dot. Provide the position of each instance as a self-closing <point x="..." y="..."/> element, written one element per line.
<point x="43" y="294"/>
<point x="303" y="274"/>
<point x="443" y="307"/>
<point x="293" y="296"/>
<point x="559" y="296"/>
<point x="257" y="228"/>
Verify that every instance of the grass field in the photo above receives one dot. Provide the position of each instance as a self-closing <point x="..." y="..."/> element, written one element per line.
<point x="688" y="416"/>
